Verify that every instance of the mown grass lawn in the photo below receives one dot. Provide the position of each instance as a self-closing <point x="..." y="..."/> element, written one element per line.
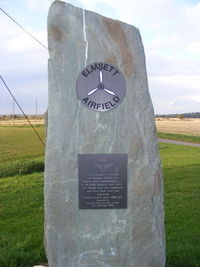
<point x="181" y="170"/>
<point x="21" y="204"/>
<point x="21" y="223"/>
<point x="20" y="143"/>
<point x="21" y="152"/>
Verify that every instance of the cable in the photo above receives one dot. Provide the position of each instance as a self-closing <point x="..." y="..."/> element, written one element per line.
<point x="22" y="28"/>
<point x="22" y="111"/>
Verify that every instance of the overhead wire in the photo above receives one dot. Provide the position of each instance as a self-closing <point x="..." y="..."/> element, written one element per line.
<point x="23" y="28"/>
<point x="5" y="84"/>
<point x="22" y="110"/>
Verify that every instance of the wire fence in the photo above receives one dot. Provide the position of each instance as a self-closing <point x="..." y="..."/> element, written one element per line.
<point x="5" y="84"/>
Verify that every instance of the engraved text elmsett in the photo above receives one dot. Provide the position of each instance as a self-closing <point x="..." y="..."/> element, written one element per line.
<point x="99" y="66"/>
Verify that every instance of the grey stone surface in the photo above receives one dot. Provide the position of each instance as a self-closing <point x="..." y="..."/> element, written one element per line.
<point x="100" y="238"/>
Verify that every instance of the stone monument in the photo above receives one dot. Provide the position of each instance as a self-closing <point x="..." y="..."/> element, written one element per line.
<point x="103" y="179"/>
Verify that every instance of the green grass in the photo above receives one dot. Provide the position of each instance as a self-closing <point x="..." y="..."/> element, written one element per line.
<point x="22" y="167"/>
<point x="21" y="224"/>
<point x="20" y="142"/>
<point x="21" y="151"/>
<point x="182" y="201"/>
<point x="180" y="137"/>
<point x="21" y="200"/>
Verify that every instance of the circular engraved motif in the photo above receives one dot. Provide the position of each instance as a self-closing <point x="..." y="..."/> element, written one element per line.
<point x="101" y="86"/>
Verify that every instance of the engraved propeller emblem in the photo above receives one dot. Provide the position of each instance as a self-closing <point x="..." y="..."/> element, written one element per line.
<point x="100" y="86"/>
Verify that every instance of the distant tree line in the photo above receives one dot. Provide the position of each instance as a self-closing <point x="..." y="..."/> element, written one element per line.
<point x="183" y="115"/>
<point x="20" y="117"/>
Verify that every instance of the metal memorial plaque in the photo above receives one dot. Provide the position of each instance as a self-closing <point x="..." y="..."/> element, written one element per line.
<point x="102" y="181"/>
<point x="101" y="86"/>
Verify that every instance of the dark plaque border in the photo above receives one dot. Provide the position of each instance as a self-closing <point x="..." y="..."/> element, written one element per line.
<point x="102" y="181"/>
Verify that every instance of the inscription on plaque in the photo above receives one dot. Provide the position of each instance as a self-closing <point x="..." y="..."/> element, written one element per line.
<point x="102" y="181"/>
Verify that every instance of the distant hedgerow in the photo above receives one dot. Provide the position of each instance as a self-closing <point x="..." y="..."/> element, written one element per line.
<point x="21" y="167"/>
<point x="180" y="137"/>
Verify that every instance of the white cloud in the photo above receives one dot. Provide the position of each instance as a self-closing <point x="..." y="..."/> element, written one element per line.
<point x="24" y="68"/>
<point x="173" y="94"/>
<point x="194" y="48"/>
<point x="21" y="54"/>
<point x="40" y="6"/>
<point x="170" y="32"/>
<point x="24" y="42"/>
<point x="195" y="98"/>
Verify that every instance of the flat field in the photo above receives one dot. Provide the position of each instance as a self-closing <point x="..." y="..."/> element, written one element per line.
<point x="20" y="142"/>
<point x="178" y="126"/>
<point x="21" y="202"/>
<point x="167" y="125"/>
<point x="21" y="151"/>
<point x="21" y="122"/>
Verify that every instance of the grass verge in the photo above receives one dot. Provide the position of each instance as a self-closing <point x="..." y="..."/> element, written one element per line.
<point x="182" y="201"/>
<point x="21" y="167"/>
<point x="21" y="224"/>
<point x="180" y="137"/>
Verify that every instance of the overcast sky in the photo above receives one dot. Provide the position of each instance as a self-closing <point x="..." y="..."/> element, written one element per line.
<point x="171" y="36"/>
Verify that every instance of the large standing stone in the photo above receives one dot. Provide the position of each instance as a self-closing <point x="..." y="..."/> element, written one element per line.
<point x="111" y="237"/>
